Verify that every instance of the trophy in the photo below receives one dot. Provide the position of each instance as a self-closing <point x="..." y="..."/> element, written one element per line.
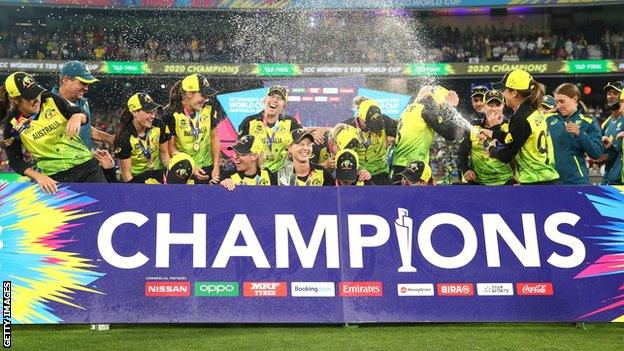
<point x="403" y="226"/>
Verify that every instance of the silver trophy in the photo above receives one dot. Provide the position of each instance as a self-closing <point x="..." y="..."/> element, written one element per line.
<point x="403" y="226"/>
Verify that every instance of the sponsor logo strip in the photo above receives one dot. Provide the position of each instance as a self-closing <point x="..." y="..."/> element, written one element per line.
<point x="217" y="289"/>
<point x="167" y="289"/>
<point x="312" y="289"/>
<point x="534" y="289"/>
<point x="415" y="290"/>
<point x="265" y="289"/>
<point x="495" y="289"/>
<point x="455" y="289"/>
<point x="358" y="289"/>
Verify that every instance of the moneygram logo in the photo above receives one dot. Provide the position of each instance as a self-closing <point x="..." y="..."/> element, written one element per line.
<point x="216" y="289"/>
<point x="455" y="289"/>
<point x="167" y="289"/>
<point x="357" y="289"/>
<point x="415" y="290"/>
<point x="312" y="289"/>
<point x="534" y="289"/>
<point x="495" y="289"/>
<point x="265" y="289"/>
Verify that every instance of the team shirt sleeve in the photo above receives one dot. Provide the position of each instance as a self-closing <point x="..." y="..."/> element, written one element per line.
<point x="14" y="151"/>
<point x="123" y="150"/>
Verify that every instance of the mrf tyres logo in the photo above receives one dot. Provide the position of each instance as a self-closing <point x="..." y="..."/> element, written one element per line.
<point x="265" y="289"/>
<point x="365" y="233"/>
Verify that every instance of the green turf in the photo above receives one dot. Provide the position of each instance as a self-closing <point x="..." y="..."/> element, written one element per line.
<point x="420" y="337"/>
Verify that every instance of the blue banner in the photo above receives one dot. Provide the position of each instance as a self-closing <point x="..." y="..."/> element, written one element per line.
<point x="241" y="104"/>
<point x="391" y="104"/>
<point x="169" y="254"/>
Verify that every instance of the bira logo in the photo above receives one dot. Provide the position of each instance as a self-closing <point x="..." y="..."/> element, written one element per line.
<point x="534" y="289"/>
<point x="455" y="289"/>
<point x="359" y="289"/>
<point x="167" y="289"/>
<point x="265" y="289"/>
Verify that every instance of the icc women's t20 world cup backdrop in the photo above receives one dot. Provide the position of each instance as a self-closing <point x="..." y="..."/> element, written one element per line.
<point x="140" y="253"/>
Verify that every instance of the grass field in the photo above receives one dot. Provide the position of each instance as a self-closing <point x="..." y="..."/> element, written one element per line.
<point x="421" y="337"/>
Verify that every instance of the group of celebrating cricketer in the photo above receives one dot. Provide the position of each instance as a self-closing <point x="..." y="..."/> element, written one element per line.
<point x="544" y="140"/>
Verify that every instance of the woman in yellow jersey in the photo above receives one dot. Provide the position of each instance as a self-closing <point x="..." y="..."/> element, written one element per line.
<point x="298" y="170"/>
<point x="141" y="143"/>
<point x="272" y="127"/>
<point x="47" y="126"/>
<point x="192" y="119"/>
<point x="433" y="110"/>
<point x="374" y="129"/>
<point x="341" y="136"/>
<point x="530" y="145"/>
<point x="475" y="165"/>
<point x="248" y="154"/>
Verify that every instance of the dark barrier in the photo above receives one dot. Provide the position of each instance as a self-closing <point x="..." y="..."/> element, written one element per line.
<point x="168" y="254"/>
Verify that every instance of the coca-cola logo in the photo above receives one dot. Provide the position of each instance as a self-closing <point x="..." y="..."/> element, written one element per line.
<point x="534" y="289"/>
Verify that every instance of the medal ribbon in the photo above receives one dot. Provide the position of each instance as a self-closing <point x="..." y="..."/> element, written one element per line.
<point x="147" y="152"/>
<point x="271" y="137"/>
<point x="194" y="128"/>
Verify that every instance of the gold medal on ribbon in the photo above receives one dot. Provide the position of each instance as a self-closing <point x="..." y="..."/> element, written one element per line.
<point x="150" y="165"/>
<point x="196" y="146"/>
<point x="8" y="142"/>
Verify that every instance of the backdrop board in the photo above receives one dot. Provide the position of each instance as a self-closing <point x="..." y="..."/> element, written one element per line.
<point x="201" y="254"/>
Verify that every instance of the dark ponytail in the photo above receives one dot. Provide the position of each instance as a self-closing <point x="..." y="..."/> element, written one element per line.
<point x="175" y="98"/>
<point x="124" y="121"/>
<point x="536" y="93"/>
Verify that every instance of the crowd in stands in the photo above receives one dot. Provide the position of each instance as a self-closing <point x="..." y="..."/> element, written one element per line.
<point x="330" y="39"/>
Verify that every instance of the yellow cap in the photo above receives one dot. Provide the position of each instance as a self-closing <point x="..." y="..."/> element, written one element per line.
<point x="142" y="101"/>
<point x="518" y="79"/>
<point x="439" y="94"/>
<point x="348" y="138"/>
<point x="197" y="82"/>
<point x="364" y="106"/>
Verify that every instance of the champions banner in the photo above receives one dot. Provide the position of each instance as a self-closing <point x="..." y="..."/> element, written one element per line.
<point x="178" y="254"/>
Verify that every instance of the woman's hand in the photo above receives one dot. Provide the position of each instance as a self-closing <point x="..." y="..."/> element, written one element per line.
<point x="571" y="127"/>
<point x="47" y="184"/>
<point x="214" y="175"/>
<point x="452" y="98"/>
<point x="363" y="175"/>
<point x="200" y="174"/>
<point x="73" y="124"/>
<point x="228" y="184"/>
<point x="105" y="158"/>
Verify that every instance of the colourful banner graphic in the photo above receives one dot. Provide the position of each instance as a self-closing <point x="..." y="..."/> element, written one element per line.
<point x="461" y="69"/>
<point x="93" y="254"/>
<point x="304" y="4"/>
<point x="391" y="104"/>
